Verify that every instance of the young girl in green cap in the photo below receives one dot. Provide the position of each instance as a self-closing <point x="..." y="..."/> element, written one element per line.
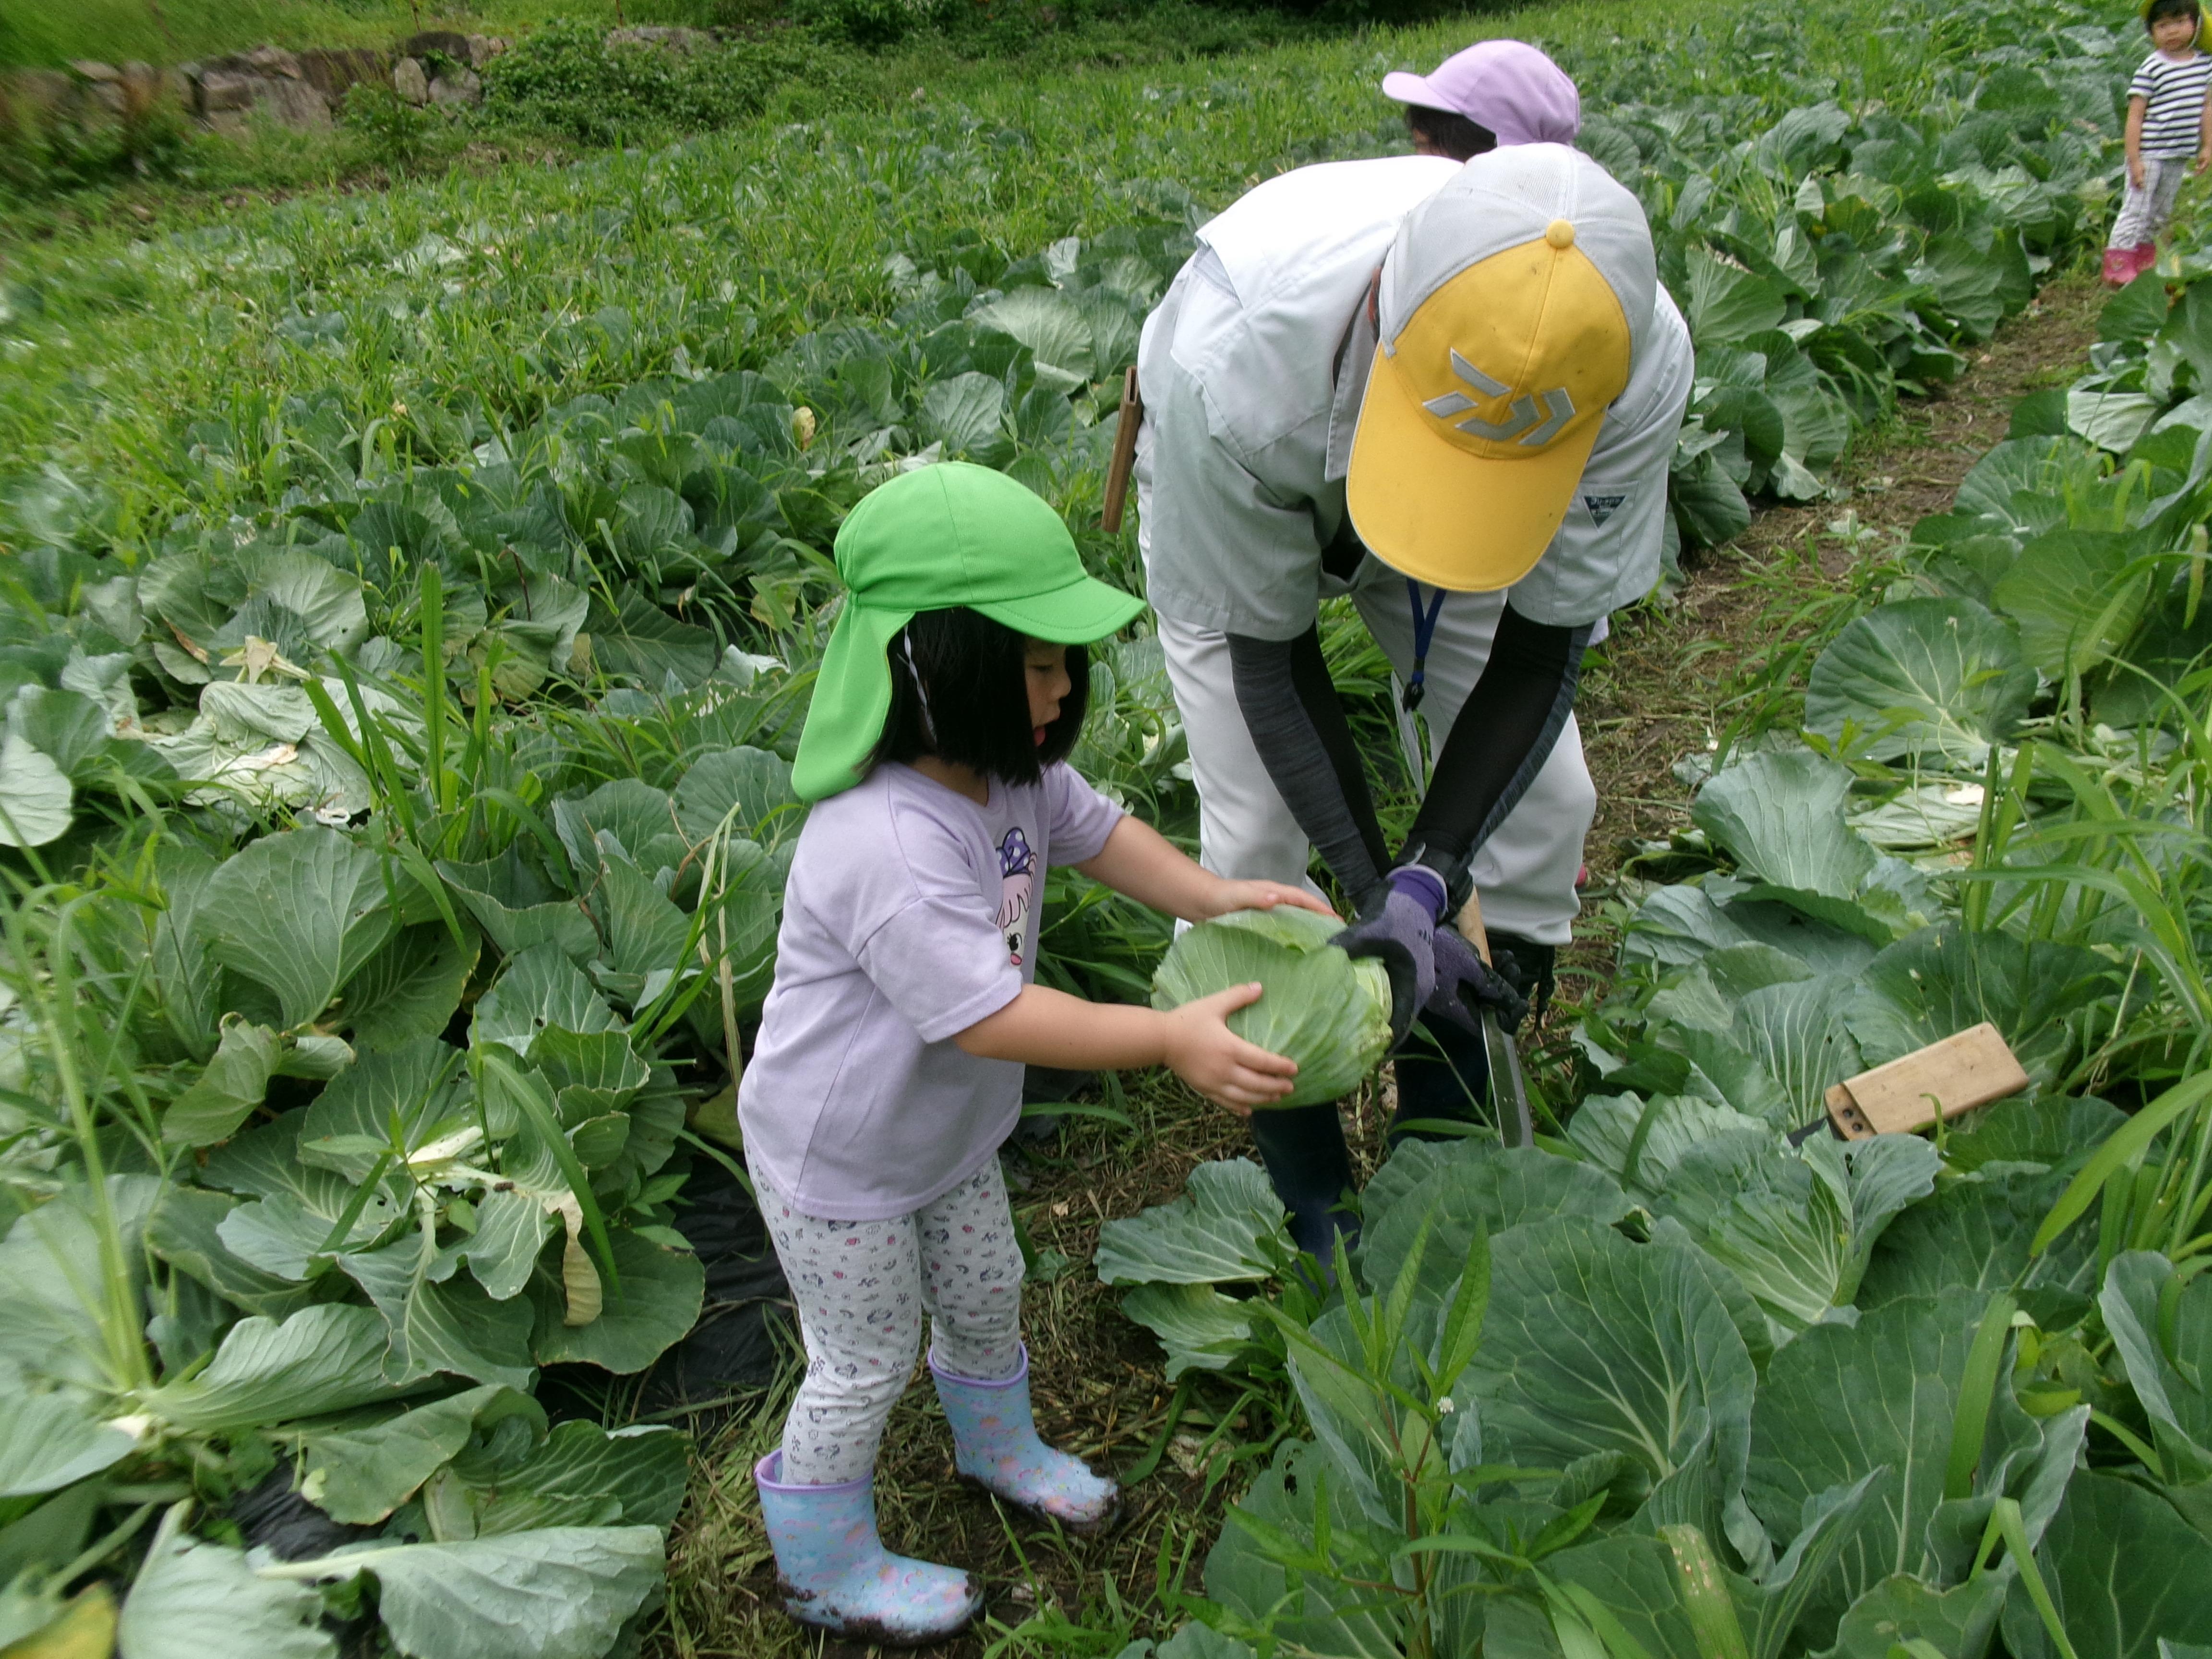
<point x="887" y="1070"/>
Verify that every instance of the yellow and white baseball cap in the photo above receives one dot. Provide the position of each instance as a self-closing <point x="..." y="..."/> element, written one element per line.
<point x="1512" y="305"/>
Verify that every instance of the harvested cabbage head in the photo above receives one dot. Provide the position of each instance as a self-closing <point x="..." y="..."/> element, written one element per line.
<point x="1327" y="1012"/>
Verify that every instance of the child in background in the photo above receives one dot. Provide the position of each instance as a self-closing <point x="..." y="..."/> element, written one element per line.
<point x="2169" y="121"/>
<point x="889" y="1067"/>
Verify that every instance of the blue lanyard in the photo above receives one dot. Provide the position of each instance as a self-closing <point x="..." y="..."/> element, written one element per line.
<point x="1425" y="631"/>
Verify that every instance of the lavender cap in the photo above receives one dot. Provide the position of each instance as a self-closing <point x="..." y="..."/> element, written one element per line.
<point x="1507" y="86"/>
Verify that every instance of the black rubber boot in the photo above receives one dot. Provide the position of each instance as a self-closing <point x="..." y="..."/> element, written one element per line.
<point x="1444" y="1077"/>
<point x="1302" y="1148"/>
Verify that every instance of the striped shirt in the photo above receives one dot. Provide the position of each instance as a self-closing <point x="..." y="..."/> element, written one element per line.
<point x="2173" y="102"/>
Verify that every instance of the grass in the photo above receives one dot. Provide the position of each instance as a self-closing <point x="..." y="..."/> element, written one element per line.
<point x="714" y="253"/>
<point x="162" y="170"/>
<point x="172" y="31"/>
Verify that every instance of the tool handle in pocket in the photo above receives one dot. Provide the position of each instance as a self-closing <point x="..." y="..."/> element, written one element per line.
<point x="1125" y="454"/>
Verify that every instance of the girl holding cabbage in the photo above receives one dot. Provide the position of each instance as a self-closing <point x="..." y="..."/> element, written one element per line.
<point x="888" y="1069"/>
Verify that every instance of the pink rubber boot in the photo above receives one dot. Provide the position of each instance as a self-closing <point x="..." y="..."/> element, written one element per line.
<point x="2119" y="266"/>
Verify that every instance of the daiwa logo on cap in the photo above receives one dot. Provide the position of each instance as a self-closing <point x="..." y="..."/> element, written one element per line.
<point x="1556" y="406"/>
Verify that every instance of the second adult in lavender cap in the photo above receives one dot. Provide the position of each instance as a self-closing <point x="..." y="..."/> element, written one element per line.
<point x="1506" y="87"/>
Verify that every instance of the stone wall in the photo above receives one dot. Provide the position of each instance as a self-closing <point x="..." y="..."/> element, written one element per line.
<point x="296" y="90"/>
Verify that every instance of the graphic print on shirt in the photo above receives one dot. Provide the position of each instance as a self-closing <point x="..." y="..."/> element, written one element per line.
<point x="1016" y="886"/>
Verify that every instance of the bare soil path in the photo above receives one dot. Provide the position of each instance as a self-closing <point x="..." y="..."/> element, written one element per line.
<point x="1667" y="687"/>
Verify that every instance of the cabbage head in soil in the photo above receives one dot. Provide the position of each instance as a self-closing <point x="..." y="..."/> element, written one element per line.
<point x="1327" y="1012"/>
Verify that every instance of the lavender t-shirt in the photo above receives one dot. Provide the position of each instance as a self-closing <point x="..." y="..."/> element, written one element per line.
<point x="910" y="914"/>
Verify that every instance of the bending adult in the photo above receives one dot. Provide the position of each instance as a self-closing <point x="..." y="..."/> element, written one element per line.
<point x="1451" y="392"/>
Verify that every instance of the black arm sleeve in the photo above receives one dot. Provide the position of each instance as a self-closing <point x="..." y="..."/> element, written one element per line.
<point x="1292" y="710"/>
<point x="1504" y="735"/>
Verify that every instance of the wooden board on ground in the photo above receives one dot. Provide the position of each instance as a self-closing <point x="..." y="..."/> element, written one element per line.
<point x="1968" y="1069"/>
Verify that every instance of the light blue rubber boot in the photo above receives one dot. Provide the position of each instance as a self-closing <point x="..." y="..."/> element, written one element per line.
<point x="995" y="1444"/>
<point x="836" y="1574"/>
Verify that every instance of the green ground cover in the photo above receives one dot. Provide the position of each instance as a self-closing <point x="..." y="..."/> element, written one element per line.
<point x="561" y="89"/>
<point x="412" y="600"/>
<point x="172" y="31"/>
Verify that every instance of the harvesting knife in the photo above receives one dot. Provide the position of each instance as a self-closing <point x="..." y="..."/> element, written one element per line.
<point x="1509" y="1089"/>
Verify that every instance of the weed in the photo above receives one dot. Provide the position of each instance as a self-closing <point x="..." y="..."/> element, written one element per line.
<point x="567" y="79"/>
<point x="395" y="134"/>
<point x="869" y="24"/>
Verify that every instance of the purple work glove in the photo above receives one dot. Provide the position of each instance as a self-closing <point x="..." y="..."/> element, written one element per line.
<point x="1465" y="985"/>
<point x="1401" y="933"/>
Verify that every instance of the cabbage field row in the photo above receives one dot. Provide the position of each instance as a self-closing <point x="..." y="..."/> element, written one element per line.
<point x="1671" y="1385"/>
<point x="412" y="608"/>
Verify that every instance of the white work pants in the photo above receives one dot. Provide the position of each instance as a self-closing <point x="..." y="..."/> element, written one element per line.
<point x="1525" y="872"/>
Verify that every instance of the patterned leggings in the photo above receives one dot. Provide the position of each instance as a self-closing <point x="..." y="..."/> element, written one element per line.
<point x="861" y="1287"/>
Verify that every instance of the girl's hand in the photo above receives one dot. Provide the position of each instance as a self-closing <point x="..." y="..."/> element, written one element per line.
<point x="1233" y="1074"/>
<point x="1265" y="896"/>
<point x="2135" y="170"/>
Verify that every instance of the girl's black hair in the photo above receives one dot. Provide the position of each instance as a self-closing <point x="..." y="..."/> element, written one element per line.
<point x="2159" y="9"/>
<point x="1454" y="135"/>
<point x="972" y="706"/>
